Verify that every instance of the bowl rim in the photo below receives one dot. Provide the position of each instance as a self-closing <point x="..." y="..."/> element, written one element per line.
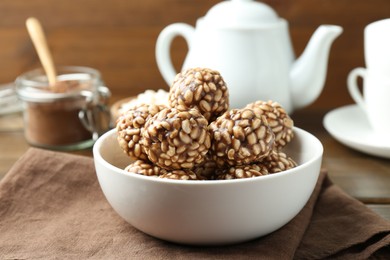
<point x="98" y="157"/>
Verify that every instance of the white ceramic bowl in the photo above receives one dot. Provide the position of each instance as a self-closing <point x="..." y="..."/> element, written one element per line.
<point x="208" y="212"/>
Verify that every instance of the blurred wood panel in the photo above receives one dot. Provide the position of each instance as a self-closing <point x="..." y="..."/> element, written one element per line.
<point x="118" y="37"/>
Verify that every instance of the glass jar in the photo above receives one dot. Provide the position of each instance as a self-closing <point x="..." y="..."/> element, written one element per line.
<point x="70" y="115"/>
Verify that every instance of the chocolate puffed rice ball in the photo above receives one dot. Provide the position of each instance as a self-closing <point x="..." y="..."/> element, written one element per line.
<point x="278" y="161"/>
<point x="175" y="139"/>
<point x="129" y="127"/>
<point x="240" y="136"/>
<point x="278" y="119"/>
<point x="144" y="168"/>
<point x="200" y="88"/>
<point x="180" y="175"/>
<point x="207" y="168"/>
<point x="149" y="169"/>
<point x="242" y="171"/>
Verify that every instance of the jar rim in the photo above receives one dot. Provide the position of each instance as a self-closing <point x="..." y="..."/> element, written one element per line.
<point x="33" y="85"/>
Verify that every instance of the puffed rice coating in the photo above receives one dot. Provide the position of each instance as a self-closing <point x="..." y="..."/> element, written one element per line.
<point x="176" y="140"/>
<point x="278" y="119"/>
<point x="129" y="127"/>
<point x="180" y="175"/>
<point x="207" y="168"/>
<point x="239" y="137"/>
<point x="144" y="168"/>
<point x="149" y="169"/>
<point x="278" y="161"/>
<point x="200" y="88"/>
<point x="242" y="171"/>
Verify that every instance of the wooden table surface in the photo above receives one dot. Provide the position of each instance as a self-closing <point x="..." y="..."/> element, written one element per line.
<point x="364" y="177"/>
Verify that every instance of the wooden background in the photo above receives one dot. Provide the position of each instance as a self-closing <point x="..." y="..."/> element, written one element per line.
<point x="118" y="37"/>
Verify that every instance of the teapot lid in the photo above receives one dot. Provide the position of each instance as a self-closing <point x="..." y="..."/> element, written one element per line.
<point x="241" y="13"/>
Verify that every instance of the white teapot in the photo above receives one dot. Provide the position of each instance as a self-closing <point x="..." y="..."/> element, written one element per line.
<point x="250" y="46"/>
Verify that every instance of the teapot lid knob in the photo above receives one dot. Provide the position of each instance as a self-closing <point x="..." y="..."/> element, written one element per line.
<point x="241" y="13"/>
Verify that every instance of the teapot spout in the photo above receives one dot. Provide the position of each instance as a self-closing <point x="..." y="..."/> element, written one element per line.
<point x="308" y="72"/>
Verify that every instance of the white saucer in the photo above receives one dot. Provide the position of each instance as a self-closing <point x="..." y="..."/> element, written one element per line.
<point x="349" y="125"/>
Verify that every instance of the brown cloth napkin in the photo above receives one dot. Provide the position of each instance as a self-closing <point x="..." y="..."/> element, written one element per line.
<point x="51" y="207"/>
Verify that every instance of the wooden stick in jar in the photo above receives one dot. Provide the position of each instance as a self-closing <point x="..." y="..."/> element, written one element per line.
<point x="39" y="40"/>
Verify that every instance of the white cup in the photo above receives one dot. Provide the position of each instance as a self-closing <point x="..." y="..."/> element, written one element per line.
<point x="375" y="99"/>
<point x="377" y="46"/>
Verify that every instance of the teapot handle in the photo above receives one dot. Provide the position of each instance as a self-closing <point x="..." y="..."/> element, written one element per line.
<point x="163" y="47"/>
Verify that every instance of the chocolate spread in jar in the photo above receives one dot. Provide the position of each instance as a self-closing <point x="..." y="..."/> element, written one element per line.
<point x="56" y="122"/>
